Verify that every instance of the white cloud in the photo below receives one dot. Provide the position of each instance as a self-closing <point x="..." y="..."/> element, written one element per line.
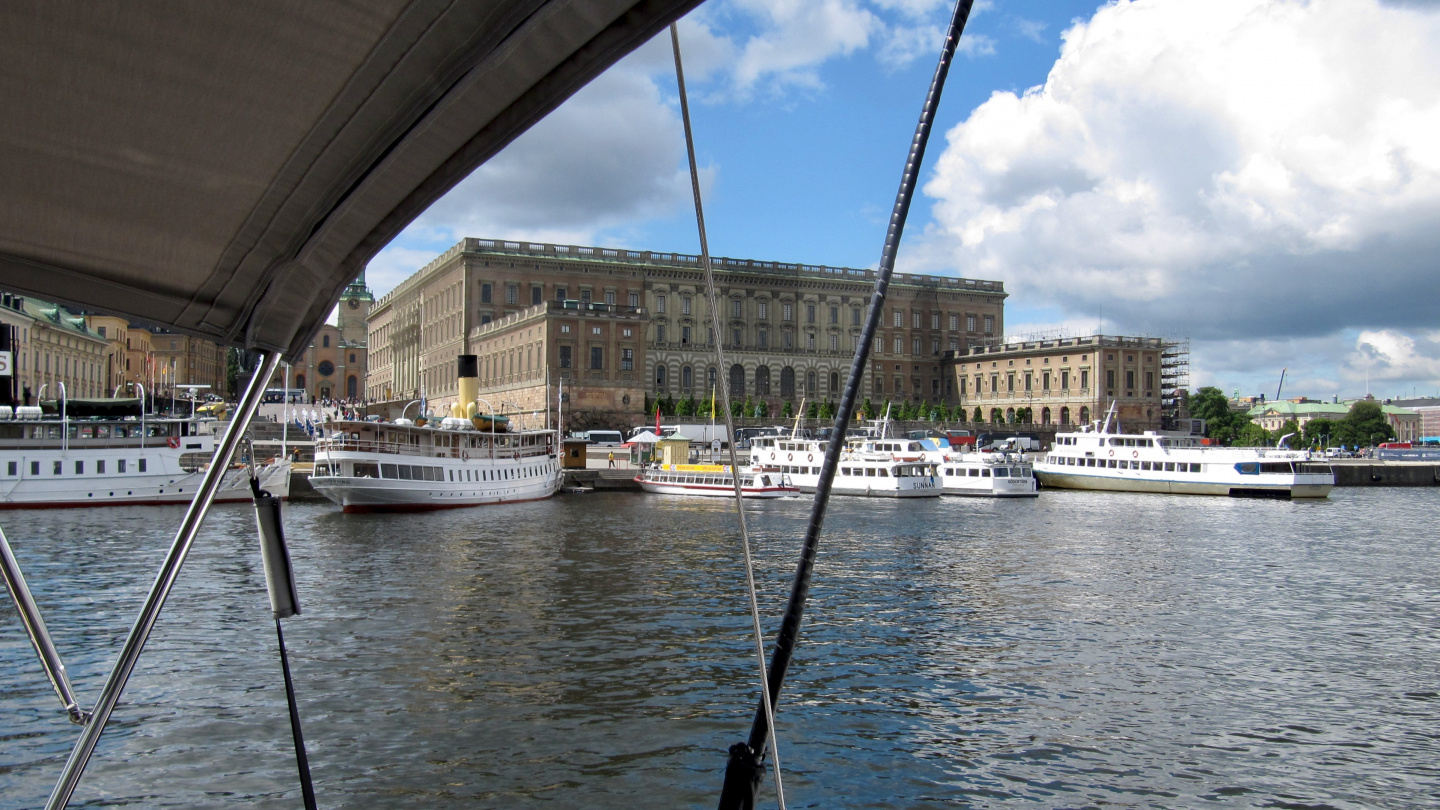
<point x="1227" y="168"/>
<point x="1388" y="355"/>
<point x="795" y="37"/>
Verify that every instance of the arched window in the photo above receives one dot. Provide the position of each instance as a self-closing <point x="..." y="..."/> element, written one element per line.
<point x="659" y="377"/>
<point x="1084" y="414"/>
<point x="352" y="386"/>
<point x="834" y="382"/>
<point x="737" y="382"/>
<point x="1064" y="416"/>
<point x="762" y="381"/>
<point x="810" y="383"/>
<point x="687" y="378"/>
<point x="299" y="380"/>
<point x="787" y="382"/>
<point x="1044" y="416"/>
<point x="1010" y="415"/>
<point x="712" y="377"/>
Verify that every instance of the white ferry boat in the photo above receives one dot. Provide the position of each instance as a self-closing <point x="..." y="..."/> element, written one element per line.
<point x="76" y="460"/>
<point x="715" y="480"/>
<point x="1152" y="462"/>
<point x="867" y="467"/>
<point x="984" y="475"/>
<point x="405" y="466"/>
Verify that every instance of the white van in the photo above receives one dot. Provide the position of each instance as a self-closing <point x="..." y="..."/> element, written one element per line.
<point x="605" y="438"/>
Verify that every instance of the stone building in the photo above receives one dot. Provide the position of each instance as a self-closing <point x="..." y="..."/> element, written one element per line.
<point x="624" y="324"/>
<point x="52" y="345"/>
<point x="336" y="363"/>
<point x="1069" y="381"/>
<point x="184" y="360"/>
<point x="115" y="331"/>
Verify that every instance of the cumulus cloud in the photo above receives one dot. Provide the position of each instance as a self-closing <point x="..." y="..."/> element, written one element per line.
<point x="1389" y="355"/>
<point x="1231" y="168"/>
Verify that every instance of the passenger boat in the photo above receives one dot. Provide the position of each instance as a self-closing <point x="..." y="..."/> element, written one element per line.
<point x="715" y="481"/>
<point x="404" y="466"/>
<point x="1001" y="474"/>
<point x="1154" y="462"/>
<point x="868" y="466"/>
<point x="70" y="460"/>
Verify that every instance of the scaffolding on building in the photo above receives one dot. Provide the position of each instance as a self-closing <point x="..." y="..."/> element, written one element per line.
<point x="1174" y="382"/>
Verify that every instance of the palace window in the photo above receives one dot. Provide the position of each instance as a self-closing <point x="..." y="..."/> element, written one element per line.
<point x="899" y="318"/>
<point x="660" y="304"/>
<point x="565" y="357"/>
<point x="634" y="299"/>
<point x="485" y="293"/>
<point x="989" y="324"/>
<point x="899" y="345"/>
<point x="537" y="295"/>
<point x="762" y="309"/>
<point x="763" y="339"/>
<point x="809" y="313"/>
<point x="789" y="340"/>
<point x="969" y="323"/>
<point x="834" y="315"/>
<point x="597" y="357"/>
<point x="834" y="343"/>
<point x="512" y="294"/>
<point x="737" y="309"/>
<point x="787" y="311"/>
<point x="627" y="363"/>
<point x="915" y="319"/>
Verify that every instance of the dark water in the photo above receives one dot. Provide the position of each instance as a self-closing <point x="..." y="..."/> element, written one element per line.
<point x="1079" y="650"/>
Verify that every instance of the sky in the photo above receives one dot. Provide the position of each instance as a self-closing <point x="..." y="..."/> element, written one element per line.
<point x="1260" y="177"/>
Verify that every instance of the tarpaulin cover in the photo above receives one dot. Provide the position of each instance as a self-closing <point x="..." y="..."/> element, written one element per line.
<point x="226" y="168"/>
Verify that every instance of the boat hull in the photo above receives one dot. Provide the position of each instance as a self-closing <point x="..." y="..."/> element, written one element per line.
<point x="1248" y="489"/>
<point x="150" y="489"/>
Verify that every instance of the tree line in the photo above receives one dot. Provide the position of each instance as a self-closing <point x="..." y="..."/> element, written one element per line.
<point x="1364" y="425"/>
<point x="903" y="411"/>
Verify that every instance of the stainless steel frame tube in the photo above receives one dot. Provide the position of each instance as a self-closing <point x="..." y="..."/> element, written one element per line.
<point x="35" y="628"/>
<point x="164" y="581"/>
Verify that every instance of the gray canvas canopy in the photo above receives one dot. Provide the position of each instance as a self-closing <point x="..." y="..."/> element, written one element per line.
<point x="226" y="168"/>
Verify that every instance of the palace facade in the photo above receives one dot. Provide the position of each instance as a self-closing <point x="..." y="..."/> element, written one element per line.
<point x="615" y="326"/>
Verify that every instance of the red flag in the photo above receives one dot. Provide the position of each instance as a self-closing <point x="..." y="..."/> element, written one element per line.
<point x="657" y="418"/>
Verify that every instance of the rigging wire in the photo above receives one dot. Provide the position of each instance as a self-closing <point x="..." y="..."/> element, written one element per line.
<point x="741" y="779"/>
<point x="724" y="381"/>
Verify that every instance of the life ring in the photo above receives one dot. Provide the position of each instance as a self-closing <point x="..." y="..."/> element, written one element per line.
<point x="790" y="457"/>
<point x="173" y="442"/>
<point x="1135" y="454"/>
<point x="772" y="455"/>
<point x="810" y="457"/>
<point x="1112" y="453"/>
<point x="465" y="455"/>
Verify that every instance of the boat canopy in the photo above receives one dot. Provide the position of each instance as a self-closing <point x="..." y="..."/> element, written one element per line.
<point x="226" y="169"/>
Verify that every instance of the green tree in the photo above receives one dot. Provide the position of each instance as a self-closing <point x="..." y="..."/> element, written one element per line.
<point x="827" y="410"/>
<point x="788" y="411"/>
<point x="979" y="415"/>
<point x="686" y="406"/>
<point x="867" y="409"/>
<point x="232" y="372"/>
<point x="996" y="416"/>
<point x="959" y="414"/>
<point x="737" y="409"/>
<point x="1365" y="425"/>
<point x="1251" y="435"/>
<point x="1320" y="433"/>
<point x="668" y="405"/>
<point x="749" y="406"/>
<point x="762" y="409"/>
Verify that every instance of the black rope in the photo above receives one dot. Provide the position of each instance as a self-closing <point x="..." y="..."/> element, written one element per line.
<point x="746" y="764"/>
<point x="307" y="788"/>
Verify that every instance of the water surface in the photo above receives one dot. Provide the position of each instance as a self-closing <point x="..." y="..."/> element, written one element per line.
<point x="1076" y="650"/>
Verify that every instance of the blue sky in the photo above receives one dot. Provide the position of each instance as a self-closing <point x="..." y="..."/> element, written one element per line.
<point x="1261" y="176"/>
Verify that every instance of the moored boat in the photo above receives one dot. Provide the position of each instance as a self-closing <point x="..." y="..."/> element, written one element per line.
<point x="984" y="475"/>
<point x="1099" y="459"/>
<point x="715" y="481"/>
<point x="65" y="460"/>
<point x="452" y="462"/>
<point x="868" y="466"/>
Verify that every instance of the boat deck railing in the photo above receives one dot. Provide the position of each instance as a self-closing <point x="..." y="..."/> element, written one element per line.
<point x="347" y="444"/>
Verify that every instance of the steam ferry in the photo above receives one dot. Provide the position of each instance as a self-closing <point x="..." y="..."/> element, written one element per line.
<point x="460" y="460"/>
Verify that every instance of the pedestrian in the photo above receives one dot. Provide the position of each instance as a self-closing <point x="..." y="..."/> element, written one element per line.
<point x="612" y="458"/>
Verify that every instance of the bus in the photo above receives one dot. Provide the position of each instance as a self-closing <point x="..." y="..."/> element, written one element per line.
<point x="283" y="395"/>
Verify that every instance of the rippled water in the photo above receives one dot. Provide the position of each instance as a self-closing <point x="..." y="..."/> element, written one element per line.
<point x="1080" y="649"/>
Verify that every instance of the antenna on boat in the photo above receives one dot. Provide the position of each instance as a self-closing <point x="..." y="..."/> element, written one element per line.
<point x="746" y="764"/>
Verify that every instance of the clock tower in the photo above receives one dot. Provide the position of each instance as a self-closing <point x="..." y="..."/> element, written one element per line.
<point x="355" y="304"/>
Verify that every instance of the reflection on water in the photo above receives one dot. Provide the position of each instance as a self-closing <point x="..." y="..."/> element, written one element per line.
<point x="1082" y="649"/>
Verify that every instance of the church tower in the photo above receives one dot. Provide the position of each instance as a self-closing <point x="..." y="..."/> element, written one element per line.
<point x="355" y="304"/>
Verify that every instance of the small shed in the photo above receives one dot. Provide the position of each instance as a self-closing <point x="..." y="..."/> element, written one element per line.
<point x="574" y="454"/>
<point x="673" y="449"/>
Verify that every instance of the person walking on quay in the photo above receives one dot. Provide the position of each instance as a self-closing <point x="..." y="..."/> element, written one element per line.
<point x="611" y="458"/>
